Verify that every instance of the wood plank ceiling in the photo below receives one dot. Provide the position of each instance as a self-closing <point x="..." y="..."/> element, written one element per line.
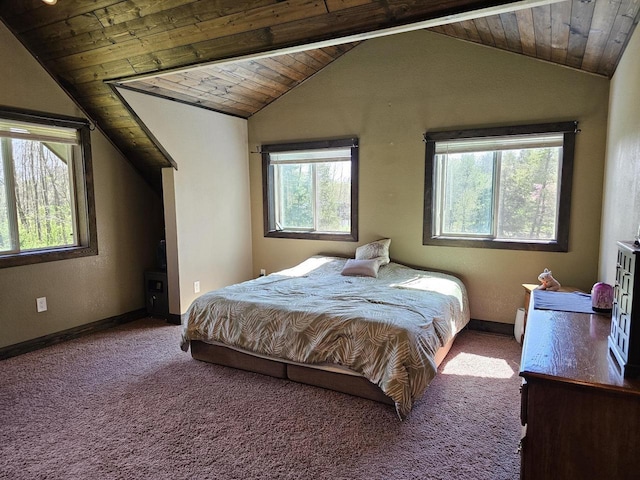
<point x="589" y="35"/>
<point x="87" y="45"/>
<point x="242" y="87"/>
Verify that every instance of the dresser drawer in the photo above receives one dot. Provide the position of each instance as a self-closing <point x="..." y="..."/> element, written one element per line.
<point x="620" y="338"/>
<point x="626" y="284"/>
<point x="624" y="303"/>
<point x="626" y="262"/>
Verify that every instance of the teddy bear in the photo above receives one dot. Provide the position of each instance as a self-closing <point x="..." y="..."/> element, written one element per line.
<point x="547" y="281"/>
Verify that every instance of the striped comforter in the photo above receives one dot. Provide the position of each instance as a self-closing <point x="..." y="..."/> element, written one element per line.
<point x="387" y="328"/>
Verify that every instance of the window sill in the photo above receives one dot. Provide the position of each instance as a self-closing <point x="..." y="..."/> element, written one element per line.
<point x="553" y="246"/>
<point x="42" y="256"/>
<point x="334" y="237"/>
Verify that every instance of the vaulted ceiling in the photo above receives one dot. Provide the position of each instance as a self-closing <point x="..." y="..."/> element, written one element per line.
<point x="152" y="45"/>
<point x="241" y="87"/>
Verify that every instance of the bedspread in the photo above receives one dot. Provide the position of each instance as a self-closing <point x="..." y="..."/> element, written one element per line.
<point x="388" y="328"/>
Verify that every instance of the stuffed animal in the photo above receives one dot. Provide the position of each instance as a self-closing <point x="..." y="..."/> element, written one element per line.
<point x="547" y="281"/>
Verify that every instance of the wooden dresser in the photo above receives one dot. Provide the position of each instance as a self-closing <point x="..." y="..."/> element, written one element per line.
<point x="581" y="417"/>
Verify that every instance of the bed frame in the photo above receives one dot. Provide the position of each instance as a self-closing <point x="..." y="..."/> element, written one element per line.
<point x="350" y="382"/>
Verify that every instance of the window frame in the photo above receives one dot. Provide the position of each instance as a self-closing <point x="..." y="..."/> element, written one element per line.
<point x="268" y="189"/>
<point x="82" y="171"/>
<point x="561" y="244"/>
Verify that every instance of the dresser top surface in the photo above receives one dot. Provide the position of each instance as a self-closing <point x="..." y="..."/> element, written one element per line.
<point x="630" y="246"/>
<point x="572" y="348"/>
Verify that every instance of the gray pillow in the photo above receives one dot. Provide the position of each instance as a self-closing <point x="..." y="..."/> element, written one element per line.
<point x="363" y="268"/>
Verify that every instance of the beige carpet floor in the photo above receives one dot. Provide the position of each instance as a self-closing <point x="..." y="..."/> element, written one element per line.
<point x="127" y="403"/>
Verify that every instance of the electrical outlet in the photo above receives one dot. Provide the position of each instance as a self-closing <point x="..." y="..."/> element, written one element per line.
<point x="41" y="304"/>
<point x="196" y="287"/>
<point x="263" y="272"/>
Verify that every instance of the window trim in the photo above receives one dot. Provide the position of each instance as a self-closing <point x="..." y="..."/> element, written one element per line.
<point x="561" y="244"/>
<point x="84" y="194"/>
<point x="268" y="193"/>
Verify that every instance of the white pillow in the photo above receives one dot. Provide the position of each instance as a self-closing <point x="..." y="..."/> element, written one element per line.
<point x="378" y="250"/>
<point x="364" y="268"/>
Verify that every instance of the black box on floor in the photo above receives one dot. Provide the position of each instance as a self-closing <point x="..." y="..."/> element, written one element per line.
<point x="156" y="293"/>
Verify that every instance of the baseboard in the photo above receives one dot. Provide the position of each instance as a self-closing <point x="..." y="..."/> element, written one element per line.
<point x="492" y="327"/>
<point x="71" y="333"/>
<point x="75" y="332"/>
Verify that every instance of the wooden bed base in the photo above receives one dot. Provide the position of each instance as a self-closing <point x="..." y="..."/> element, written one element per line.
<point x="341" y="382"/>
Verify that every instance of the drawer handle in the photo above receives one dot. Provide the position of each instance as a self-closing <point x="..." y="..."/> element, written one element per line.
<point x="524" y="394"/>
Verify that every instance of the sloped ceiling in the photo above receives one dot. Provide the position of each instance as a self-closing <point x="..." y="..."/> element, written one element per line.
<point x="589" y="35"/>
<point x="242" y="87"/>
<point x="88" y="46"/>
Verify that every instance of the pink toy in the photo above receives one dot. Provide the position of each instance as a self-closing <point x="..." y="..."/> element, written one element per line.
<point x="547" y="281"/>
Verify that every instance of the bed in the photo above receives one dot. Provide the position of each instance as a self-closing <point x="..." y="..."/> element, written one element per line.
<point x="380" y="337"/>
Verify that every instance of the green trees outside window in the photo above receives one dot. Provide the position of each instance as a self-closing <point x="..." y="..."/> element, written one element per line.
<point x="42" y="179"/>
<point x="314" y="196"/>
<point x="311" y="190"/>
<point x="527" y="186"/>
<point x="47" y="207"/>
<point x="500" y="187"/>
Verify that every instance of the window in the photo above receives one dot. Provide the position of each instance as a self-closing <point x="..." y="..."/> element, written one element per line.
<point x="500" y="187"/>
<point x="46" y="195"/>
<point x="311" y="190"/>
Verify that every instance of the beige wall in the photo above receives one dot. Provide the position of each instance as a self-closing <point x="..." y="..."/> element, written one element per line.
<point x="621" y="205"/>
<point x="171" y="237"/>
<point x="129" y="215"/>
<point x="206" y="198"/>
<point x="388" y="92"/>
